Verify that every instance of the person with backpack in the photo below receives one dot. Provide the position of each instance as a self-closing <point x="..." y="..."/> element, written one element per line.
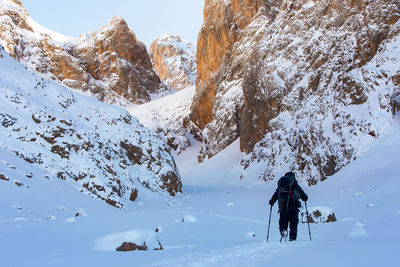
<point x="288" y="195"/>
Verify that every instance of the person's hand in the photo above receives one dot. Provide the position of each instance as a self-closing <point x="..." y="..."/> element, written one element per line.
<point x="305" y="198"/>
<point x="271" y="202"/>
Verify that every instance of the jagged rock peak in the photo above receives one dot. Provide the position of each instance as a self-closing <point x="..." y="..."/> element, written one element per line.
<point x="112" y="64"/>
<point x="18" y="2"/>
<point x="16" y="12"/>
<point x="118" y="24"/>
<point x="174" y="60"/>
<point x="118" y="21"/>
<point x="14" y="3"/>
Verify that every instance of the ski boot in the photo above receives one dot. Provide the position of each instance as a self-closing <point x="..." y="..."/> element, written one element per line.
<point x="284" y="235"/>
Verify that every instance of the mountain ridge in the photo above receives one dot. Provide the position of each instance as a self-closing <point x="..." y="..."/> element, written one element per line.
<point x="111" y="63"/>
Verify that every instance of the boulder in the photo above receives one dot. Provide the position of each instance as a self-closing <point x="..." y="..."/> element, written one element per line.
<point x="128" y="246"/>
<point x="318" y="215"/>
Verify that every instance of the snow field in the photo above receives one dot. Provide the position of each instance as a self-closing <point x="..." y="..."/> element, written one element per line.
<point x="220" y="234"/>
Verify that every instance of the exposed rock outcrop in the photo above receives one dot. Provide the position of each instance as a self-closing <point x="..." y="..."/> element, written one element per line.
<point x="224" y="24"/>
<point x="129" y="246"/>
<point x="224" y="47"/>
<point x="111" y="63"/>
<point x="307" y="85"/>
<point x="174" y="61"/>
<point x="318" y="215"/>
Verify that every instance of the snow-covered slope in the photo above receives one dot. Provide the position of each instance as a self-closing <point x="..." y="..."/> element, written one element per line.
<point x="98" y="148"/>
<point x="215" y="223"/>
<point x="169" y="117"/>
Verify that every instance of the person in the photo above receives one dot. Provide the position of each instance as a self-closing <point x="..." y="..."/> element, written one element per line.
<point x="288" y="194"/>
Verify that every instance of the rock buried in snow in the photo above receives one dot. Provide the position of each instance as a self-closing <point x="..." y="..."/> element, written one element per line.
<point x="122" y="241"/>
<point x="318" y="215"/>
<point x="3" y="177"/>
<point x="17" y="207"/>
<point x="128" y="246"/>
<point x="250" y="235"/>
<point x="51" y="218"/>
<point x="80" y="213"/>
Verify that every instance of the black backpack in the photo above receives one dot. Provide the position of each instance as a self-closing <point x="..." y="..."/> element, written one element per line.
<point x="287" y="191"/>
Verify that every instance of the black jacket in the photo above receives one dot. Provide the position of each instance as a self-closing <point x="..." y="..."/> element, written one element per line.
<point x="292" y="204"/>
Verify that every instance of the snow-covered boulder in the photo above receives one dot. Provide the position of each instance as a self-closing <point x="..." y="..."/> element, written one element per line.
<point x="318" y="215"/>
<point x="129" y="241"/>
<point x="129" y="246"/>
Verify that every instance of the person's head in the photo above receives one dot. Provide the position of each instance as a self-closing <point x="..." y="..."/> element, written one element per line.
<point x="290" y="175"/>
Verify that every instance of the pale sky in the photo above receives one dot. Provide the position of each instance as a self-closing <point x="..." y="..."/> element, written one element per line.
<point x="147" y="18"/>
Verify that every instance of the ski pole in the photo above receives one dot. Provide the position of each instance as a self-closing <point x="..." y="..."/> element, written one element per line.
<point x="269" y="221"/>
<point x="308" y="222"/>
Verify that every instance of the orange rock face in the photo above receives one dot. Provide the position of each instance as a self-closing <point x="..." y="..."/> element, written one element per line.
<point x="111" y="63"/>
<point x="223" y="25"/>
<point x="174" y="61"/>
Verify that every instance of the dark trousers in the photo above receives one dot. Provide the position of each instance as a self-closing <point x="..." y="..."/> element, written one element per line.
<point x="289" y="217"/>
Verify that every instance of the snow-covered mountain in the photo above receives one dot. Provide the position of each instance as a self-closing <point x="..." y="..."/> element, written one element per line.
<point x="306" y="85"/>
<point x="174" y="60"/>
<point x="111" y="64"/>
<point x="98" y="148"/>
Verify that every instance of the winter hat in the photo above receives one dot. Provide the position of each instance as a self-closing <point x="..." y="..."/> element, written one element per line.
<point x="289" y="175"/>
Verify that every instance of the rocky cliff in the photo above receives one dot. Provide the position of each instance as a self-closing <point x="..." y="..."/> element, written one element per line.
<point x="98" y="148"/>
<point x="174" y="61"/>
<point x="111" y="64"/>
<point x="217" y="45"/>
<point x="307" y="85"/>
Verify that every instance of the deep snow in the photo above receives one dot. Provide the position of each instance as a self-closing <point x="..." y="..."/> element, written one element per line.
<point x="211" y="224"/>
